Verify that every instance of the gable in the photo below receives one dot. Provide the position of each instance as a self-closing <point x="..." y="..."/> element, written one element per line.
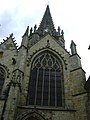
<point x="8" y="44"/>
<point x="8" y="51"/>
<point x="51" y="42"/>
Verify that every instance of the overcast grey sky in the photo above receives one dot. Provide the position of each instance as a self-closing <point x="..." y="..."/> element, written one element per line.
<point x="73" y="16"/>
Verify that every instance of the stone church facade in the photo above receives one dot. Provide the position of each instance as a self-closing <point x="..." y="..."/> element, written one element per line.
<point x="41" y="80"/>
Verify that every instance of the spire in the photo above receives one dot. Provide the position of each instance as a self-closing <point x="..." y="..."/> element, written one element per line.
<point x="26" y="32"/>
<point x="46" y="24"/>
<point x="25" y="38"/>
<point x="73" y="48"/>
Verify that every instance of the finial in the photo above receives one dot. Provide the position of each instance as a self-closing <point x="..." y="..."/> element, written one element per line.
<point x="35" y="28"/>
<point x="73" y="48"/>
<point x="59" y="30"/>
<point x="7" y="37"/>
<point x="31" y="31"/>
<point x="11" y="35"/>
<point x="62" y="33"/>
<point x="26" y="32"/>
<point x="4" y="40"/>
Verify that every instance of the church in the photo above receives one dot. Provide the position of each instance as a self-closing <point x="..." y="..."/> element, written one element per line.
<point x="41" y="80"/>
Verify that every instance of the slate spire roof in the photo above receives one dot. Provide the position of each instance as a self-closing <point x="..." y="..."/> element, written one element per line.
<point x="47" y="24"/>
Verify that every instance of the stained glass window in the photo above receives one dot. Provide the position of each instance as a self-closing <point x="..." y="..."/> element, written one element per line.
<point x="45" y="87"/>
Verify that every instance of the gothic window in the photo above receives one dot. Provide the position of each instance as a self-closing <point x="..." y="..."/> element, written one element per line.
<point x="45" y="87"/>
<point x="2" y="78"/>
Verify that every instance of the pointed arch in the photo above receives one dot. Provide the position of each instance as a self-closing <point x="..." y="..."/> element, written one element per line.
<point x="55" y="52"/>
<point x="46" y="80"/>
<point x="34" y="115"/>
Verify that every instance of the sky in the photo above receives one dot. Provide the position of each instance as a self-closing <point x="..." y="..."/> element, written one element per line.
<point x="73" y="16"/>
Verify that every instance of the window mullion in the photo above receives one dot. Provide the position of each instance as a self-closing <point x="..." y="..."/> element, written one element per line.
<point x="42" y="87"/>
<point x="55" y="91"/>
<point x="62" y="90"/>
<point x="36" y="86"/>
<point x="49" y="90"/>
